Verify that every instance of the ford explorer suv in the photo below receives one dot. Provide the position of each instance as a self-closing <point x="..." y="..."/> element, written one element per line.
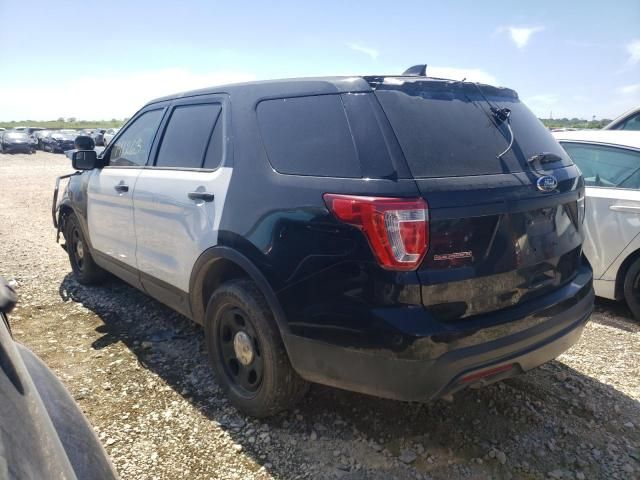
<point x="401" y="236"/>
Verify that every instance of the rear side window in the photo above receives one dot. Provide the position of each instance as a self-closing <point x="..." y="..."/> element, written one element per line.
<point x="445" y="129"/>
<point x="213" y="157"/>
<point x="632" y="123"/>
<point x="187" y="136"/>
<point x="308" y="136"/>
<point x="604" y="166"/>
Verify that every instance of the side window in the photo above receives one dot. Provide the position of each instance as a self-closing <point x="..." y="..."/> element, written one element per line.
<point x="132" y="148"/>
<point x="308" y="136"/>
<point x="632" y="123"/>
<point x="213" y="157"/>
<point x="187" y="135"/>
<point x="606" y="166"/>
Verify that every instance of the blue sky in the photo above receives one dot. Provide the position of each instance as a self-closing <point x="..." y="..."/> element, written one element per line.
<point x="105" y="59"/>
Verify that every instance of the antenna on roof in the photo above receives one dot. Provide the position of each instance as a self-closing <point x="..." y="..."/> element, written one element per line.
<point x="416" y="71"/>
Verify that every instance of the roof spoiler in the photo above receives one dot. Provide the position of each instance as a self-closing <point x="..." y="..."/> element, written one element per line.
<point x="416" y="71"/>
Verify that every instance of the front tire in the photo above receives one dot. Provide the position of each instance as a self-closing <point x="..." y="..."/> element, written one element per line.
<point x="632" y="288"/>
<point x="247" y="353"/>
<point x="85" y="269"/>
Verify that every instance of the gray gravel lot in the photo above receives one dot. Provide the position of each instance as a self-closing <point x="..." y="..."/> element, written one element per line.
<point x="140" y="374"/>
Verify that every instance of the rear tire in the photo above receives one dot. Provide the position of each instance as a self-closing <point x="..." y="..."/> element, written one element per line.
<point x="85" y="269"/>
<point x="632" y="288"/>
<point x="247" y="353"/>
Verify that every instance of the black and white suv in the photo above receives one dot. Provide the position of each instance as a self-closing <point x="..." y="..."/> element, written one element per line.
<point x="402" y="236"/>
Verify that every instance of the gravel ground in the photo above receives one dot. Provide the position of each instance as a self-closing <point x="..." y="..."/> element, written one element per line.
<point x="140" y="374"/>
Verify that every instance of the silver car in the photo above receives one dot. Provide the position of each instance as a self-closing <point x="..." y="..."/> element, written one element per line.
<point x="109" y="134"/>
<point x="610" y="163"/>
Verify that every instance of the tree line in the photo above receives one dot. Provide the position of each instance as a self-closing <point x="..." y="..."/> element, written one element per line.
<point x="115" y="123"/>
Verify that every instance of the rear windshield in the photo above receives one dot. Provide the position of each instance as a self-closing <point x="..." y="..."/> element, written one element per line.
<point x="445" y="129"/>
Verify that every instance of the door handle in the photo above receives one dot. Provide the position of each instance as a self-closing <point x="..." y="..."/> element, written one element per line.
<point x="625" y="208"/>
<point x="207" y="197"/>
<point x="121" y="188"/>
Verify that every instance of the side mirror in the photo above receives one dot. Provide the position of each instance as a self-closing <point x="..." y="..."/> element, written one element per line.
<point x="84" y="160"/>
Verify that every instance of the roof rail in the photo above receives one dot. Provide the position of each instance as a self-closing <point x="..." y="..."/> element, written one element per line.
<point x="416" y="71"/>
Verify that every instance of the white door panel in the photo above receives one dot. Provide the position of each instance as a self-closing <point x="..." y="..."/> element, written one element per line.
<point x="172" y="229"/>
<point x="110" y="212"/>
<point x="612" y="221"/>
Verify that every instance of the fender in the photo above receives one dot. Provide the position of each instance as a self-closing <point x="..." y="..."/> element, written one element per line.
<point x="66" y="203"/>
<point x="207" y="259"/>
<point x="55" y="207"/>
<point x="75" y="198"/>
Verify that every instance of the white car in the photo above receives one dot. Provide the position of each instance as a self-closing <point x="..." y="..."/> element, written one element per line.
<point x="610" y="163"/>
<point x="108" y="135"/>
<point x="629" y="120"/>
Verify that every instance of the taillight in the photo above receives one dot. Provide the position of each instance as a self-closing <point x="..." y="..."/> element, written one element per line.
<point x="397" y="229"/>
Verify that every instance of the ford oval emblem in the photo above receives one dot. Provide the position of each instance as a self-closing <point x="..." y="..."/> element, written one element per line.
<point x="548" y="183"/>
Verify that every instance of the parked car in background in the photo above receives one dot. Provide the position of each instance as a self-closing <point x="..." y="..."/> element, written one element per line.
<point x="98" y="136"/>
<point x="39" y="135"/>
<point x="629" y="120"/>
<point x="610" y="163"/>
<point x="28" y="130"/>
<point x="108" y="135"/>
<point x="59" y="141"/>
<point x="44" y="433"/>
<point x="12" y="141"/>
<point x="383" y="234"/>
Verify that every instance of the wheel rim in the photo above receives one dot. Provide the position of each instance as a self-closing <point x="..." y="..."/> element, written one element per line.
<point x="77" y="246"/>
<point x="240" y="351"/>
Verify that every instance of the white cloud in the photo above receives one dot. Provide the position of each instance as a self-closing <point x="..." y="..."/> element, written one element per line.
<point x="371" y="52"/>
<point x="630" y="89"/>
<point x="96" y="97"/>
<point x="520" y="35"/>
<point x="633" y="49"/>
<point x="471" y="74"/>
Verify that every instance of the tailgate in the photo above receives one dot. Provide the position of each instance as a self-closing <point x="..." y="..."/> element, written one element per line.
<point x="496" y="241"/>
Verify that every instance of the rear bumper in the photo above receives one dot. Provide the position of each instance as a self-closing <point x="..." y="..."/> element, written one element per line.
<point x="473" y="351"/>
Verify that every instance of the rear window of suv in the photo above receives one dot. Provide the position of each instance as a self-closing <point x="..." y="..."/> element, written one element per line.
<point x="445" y="129"/>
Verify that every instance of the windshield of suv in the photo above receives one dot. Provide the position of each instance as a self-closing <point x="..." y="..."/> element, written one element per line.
<point x="446" y="128"/>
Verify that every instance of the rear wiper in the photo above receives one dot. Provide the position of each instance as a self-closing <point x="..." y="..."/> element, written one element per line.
<point x="500" y="116"/>
<point x="544" y="157"/>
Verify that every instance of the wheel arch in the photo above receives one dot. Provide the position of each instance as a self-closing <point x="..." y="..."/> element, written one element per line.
<point x="219" y="264"/>
<point x="622" y="273"/>
<point x="64" y="210"/>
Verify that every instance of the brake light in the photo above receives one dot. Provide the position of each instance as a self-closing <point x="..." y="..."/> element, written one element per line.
<point x="397" y="229"/>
